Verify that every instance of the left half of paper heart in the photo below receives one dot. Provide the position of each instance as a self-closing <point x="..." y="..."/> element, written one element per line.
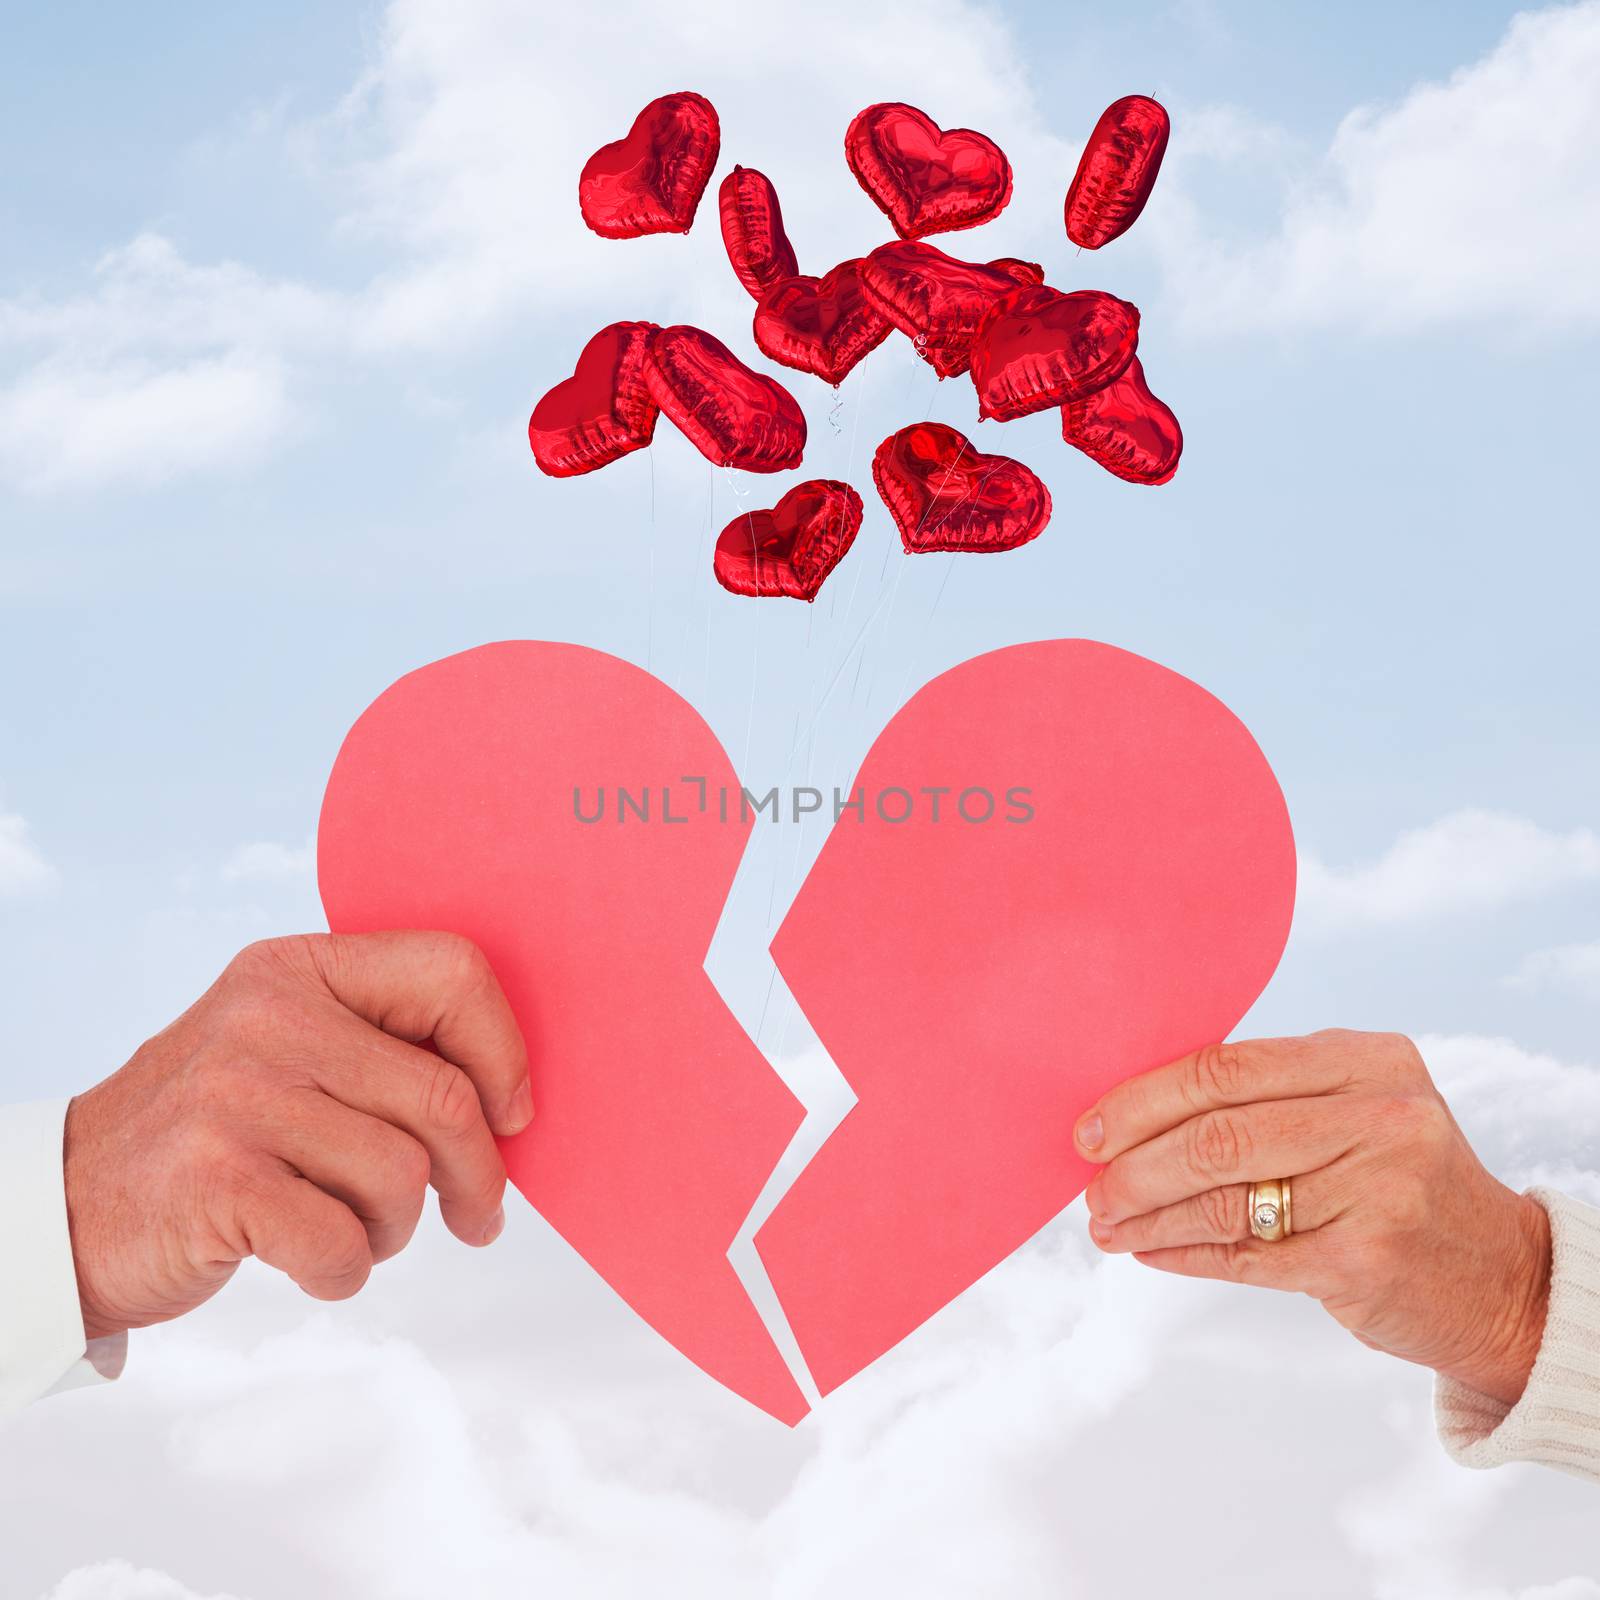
<point x="560" y="807"/>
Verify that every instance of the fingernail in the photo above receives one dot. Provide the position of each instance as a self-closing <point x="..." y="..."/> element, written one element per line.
<point x="1091" y="1132"/>
<point x="519" y="1113"/>
<point x="495" y="1226"/>
<point x="1099" y="1231"/>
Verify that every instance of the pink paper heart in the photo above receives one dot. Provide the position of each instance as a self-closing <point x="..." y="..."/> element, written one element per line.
<point x="1095" y="875"/>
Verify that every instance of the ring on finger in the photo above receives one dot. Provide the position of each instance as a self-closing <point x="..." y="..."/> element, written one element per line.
<point x="1270" y="1208"/>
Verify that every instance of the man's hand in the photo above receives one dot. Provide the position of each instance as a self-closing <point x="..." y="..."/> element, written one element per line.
<point x="1398" y="1229"/>
<point x="291" y="1114"/>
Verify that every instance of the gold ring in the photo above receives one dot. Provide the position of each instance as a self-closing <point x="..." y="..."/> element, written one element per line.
<point x="1270" y="1207"/>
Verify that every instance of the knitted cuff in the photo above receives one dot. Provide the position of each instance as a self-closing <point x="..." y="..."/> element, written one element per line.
<point x="1557" y="1420"/>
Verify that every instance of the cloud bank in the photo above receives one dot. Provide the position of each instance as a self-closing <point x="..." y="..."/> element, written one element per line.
<point x="1468" y="861"/>
<point x="22" y="869"/>
<point x="1475" y="201"/>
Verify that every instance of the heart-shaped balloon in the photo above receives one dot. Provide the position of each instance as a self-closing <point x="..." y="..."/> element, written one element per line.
<point x="734" y="417"/>
<point x="923" y="179"/>
<point x="1117" y="170"/>
<point x="936" y="300"/>
<point x="651" y="181"/>
<point x="791" y="549"/>
<point x="1126" y="429"/>
<point x="752" y="231"/>
<point x="945" y="495"/>
<point x="602" y="411"/>
<point x="1037" y="348"/>
<point x="1095" y="876"/>
<point x="820" y="325"/>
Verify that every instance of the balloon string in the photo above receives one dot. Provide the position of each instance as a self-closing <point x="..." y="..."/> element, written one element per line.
<point x="680" y="678"/>
<point x="922" y="521"/>
<point x="833" y="681"/>
<point x="650" y="607"/>
<point x="855" y="422"/>
<point x="740" y="494"/>
<point x="755" y="664"/>
<point x="889" y="550"/>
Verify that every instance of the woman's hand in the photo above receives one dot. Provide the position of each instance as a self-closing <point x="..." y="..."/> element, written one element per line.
<point x="1398" y="1229"/>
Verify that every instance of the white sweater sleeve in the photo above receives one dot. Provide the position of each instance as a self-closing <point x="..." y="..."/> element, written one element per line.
<point x="42" y="1344"/>
<point x="1557" y="1420"/>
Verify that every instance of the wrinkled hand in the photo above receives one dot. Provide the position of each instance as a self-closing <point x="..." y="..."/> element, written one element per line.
<point x="1398" y="1229"/>
<point x="291" y="1114"/>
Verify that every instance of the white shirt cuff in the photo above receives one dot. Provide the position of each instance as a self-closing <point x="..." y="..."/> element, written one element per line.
<point x="42" y="1344"/>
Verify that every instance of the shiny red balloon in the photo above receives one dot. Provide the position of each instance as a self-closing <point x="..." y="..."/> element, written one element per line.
<point x="945" y="495"/>
<point x="1117" y="170"/>
<point x="734" y="417"/>
<point x="1126" y="429"/>
<point x="602" y="411"/>
<point x="1037" y="348"/>
<point x="752" y="231"/>
<point x="820" y="325"/>
<point x="1019" y="270"/>
<point x="923" y="179"/>
<point x="936" y="300"/>
<point x="651" y="181"/>
<point x="791" y="549"/>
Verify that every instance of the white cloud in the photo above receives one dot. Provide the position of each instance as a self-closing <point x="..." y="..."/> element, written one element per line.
<point x="117" y="1580"/>
<point x="1474" y="199"/>
<point x="1466" y="861"/>
<point x="70" y="427"/>
<point x="266" y="860"/>
<point x="1574" y="968"/>
<point x="22" y="869"/>
<point x="1531" y="1117"/>
<point x="1017" y="1445"/>
<point x="145" y="295"/>
<point x="160" y="370"/>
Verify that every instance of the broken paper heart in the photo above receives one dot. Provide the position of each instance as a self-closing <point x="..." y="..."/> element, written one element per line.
<point x="1069" y="865"/>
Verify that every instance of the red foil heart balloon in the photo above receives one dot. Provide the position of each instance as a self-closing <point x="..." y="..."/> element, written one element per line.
<point x="923" y="179"/>
<point x="791" y="549"/>
<point x="820" y="325"/>
<point x="734" y="417"/>
<point x="1019" y="270"/>
<point x="1117" y="170"/>
<point x="1126" y="429"/>
<point x="752" y="231"/>
<point x="945" y="495"/>
<point x="1037" y="348"/>
<point x="651" y="181"/>
<point x="602" y="411"/>
<point x="936" y="300"/>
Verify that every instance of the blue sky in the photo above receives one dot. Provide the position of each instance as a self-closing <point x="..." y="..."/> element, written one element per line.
<point x="279" y="286"/>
